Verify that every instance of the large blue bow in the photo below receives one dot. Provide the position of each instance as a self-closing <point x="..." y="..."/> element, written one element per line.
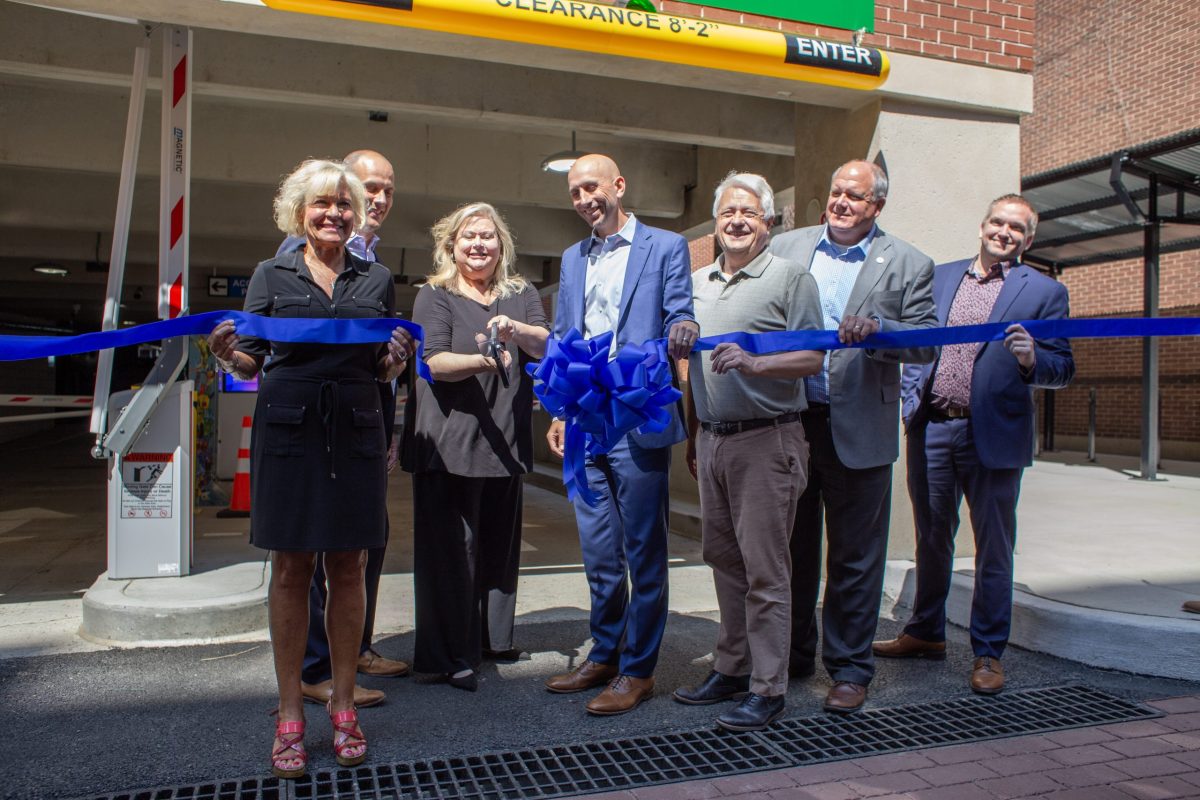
<point x="602" y="400"/>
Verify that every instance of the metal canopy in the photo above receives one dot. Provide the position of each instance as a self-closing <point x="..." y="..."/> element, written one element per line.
<point x="1097" y="210"/>
<point x="1138" y="202"/>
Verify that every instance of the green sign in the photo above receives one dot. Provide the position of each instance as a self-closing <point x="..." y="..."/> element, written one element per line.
<point x="847" y="14"/>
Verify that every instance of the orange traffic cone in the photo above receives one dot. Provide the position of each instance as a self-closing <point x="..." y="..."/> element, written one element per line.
<point x="239" y="504"/>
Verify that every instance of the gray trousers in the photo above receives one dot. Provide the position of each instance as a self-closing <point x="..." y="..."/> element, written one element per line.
<point x="749" y="485"/>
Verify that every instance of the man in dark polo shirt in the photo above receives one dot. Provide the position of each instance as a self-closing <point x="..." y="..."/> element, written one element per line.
<point x="746" y="448"/>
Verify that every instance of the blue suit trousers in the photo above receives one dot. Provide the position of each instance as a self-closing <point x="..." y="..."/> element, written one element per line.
<point x="943" y="466"/>
<point x="624" y="544"/>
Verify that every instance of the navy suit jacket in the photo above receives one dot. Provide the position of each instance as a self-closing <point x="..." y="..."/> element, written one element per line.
<point x="656" y="294"/>
<point x="1002" y="412"/>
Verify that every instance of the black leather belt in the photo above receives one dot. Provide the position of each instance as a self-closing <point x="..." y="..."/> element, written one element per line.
<point x="950" y="412"/>
<point x="729" y="428"/>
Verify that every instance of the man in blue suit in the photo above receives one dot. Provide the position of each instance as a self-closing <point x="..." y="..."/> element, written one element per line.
<point x="635" y="281"/>
<point x="970" y="424"/>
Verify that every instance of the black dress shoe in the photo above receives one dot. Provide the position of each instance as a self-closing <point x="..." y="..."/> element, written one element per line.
<point x="509" y="656"/>
<point x="468" y="682"/>
<point x="753" y="714"/>
<point x="716" y="687"/>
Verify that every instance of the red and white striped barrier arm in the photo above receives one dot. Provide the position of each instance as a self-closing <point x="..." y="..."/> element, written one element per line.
<point x="175" y="194"/>
<point x="46" y="400"/>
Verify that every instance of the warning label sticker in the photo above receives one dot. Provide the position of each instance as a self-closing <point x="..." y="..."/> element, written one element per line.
<point x="147" y="486"/>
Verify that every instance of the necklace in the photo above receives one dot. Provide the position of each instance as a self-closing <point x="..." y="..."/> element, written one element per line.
<point x="318" y="266"/>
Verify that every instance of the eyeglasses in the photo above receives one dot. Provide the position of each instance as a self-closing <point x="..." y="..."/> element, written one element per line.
<point x="748" y="214"/>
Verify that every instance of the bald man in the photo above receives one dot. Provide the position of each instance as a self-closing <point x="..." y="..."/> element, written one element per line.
<point x="379" y="180"/>
<point x="636" y="282"/>
<point x="869" y="281"/>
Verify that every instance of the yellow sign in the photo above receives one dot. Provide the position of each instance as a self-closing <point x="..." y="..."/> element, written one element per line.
<point x="599" y="28"/>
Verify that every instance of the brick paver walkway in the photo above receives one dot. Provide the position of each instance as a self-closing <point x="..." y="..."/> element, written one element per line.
<point x="1157" y="758"/>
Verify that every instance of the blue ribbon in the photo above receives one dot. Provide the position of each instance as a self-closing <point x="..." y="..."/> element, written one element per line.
<point x="602" y="400"/>
<point x="779" y="341"/>
<point x="279" y="329"/>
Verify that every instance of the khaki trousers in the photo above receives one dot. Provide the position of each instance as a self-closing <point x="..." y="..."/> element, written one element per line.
<point x="749" y="485"/>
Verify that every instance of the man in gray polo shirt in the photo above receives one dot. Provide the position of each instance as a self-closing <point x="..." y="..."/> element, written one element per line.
<point x="746" y="448"/>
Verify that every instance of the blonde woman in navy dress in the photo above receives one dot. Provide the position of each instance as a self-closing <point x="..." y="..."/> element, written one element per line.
<point x="318" y="454"/>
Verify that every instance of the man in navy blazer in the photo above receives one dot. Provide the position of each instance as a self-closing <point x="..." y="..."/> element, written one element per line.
<point x="636" y="281"/>
<point x="970" y="423"/>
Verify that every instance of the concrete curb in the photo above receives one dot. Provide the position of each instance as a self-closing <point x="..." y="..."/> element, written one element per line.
<point x="1137" y="643"/>
<point x="224" y="604"/>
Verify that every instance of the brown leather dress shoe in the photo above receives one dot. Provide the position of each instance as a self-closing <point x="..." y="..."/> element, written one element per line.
<point x="319" y="693"/>
<point x="371" y="663"/>
<point x="845" y="697"/>
<point x="987" y="676"/>
<point x="1192" y="605"/>
<point x="905" y="646"/>
<point x="587" y="675"/>
<point x="623" y="693"/>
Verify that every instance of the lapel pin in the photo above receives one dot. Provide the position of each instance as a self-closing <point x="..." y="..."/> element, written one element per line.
<point x="878" y="259"/>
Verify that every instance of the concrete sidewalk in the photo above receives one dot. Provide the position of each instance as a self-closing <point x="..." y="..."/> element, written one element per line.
<point x="1104" y="562"/>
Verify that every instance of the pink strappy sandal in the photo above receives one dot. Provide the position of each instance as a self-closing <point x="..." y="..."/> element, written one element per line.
<point x="349" y="743"/>
<point x="290" y="734"/>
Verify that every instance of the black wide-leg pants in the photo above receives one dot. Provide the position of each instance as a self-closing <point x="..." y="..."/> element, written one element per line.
<point x="466" y="556"/>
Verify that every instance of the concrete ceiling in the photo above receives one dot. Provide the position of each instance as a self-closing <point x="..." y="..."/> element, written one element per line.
<point x="458" y="129"/>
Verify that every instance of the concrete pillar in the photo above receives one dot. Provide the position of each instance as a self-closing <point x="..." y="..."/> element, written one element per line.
<point x="826" y="138"/>
<point x="945" y="166"/>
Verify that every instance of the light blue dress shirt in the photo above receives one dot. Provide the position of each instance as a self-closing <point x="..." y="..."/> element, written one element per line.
<point x="835" y="269"/>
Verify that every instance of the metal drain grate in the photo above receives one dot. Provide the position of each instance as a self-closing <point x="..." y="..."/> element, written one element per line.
<point x="246" y="789"/>
<point x="548" y="772"/>
<point x="969" y="719"/>
<point x="552" y="771"/>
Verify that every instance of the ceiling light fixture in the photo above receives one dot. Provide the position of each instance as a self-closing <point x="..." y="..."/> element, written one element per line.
<point x="563" y="160"/>
<point x="47" y="268"/>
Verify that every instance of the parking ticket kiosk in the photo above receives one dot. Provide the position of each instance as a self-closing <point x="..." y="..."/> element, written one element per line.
<point x="150" y="491"/>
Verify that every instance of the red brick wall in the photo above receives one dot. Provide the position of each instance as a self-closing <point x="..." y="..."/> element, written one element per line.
<point x="1114" y="368"/>
<point x="998" y="33"/>
<point x="703" y="251"/>
<point x="1116" y="287"/>
<point x="1108" y="76"/>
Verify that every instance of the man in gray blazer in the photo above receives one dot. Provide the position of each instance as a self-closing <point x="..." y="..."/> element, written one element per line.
<point x="869" y="281"/>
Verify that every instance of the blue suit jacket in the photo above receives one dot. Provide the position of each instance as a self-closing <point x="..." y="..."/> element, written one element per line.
<point x="1002" y="410"/>
<point x="657" y="293"/>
